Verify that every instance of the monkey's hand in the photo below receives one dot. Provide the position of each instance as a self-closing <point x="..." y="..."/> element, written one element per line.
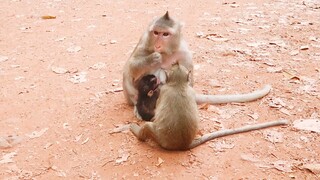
<point x="154" y="59"/>
<point x="135" y="129"/>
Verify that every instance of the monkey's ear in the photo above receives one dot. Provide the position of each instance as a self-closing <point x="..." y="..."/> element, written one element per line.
<point x="166" y="16"/>
<point x="175" y="63"/>
<point x="150" y="93"/>
<point x="189" y="75"/>
<point x="166" y="72"/>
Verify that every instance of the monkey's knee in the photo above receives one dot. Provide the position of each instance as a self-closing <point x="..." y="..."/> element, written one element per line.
<point x="135" y="129"/>
<point x="146" y="132"/>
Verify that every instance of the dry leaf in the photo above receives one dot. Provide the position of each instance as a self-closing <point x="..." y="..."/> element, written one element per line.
<point x="269" y="64"/>
<point x="279" y="43"/>
<point x="254" y="44"/>
<point x="120" y="128"/>
<point x="314" y="168"/>
<point x="4" y="143"/>
<point x="85" y="141"/>
<point x="99" y="65"/>
<point x="79" y="78"/>
<point x="59" y="70"/>
<point x="228" y="113"/>
<point x="160" y="162"/>
<point x="304" y="139"/>
<point x="249" y="157"/>
<point x="77" y="138"/>
<point x="9" y="141"/>
<point x="294" y="53"/>
<point x="3" y="58"/>
<point x="117" y="90"/>
<point x="36" y="134"/>
<point x="254" y="116"/>
<point x="285" y="111"/>
<point x="234" y="5"/>
<point x="277" y="103"/>
<point x="304" y="47"/>
<point x="273" y="136"/>
<point x="47" y="145"/>
<point x="200" y="34"/>
<point x="290" y="75"/>
<point x="60" y="39"/>
<point x="204" y="106"/>
<point x="123" y="158"/>
<point x="312" y="125"/>
<point x="283" y="166"/>
<point x="274" y="69"/>
<point x="66" y="126"/>
<point x="221" y="146"/>
<point x="218" y="39"/>
<point x="113" y="42"/>
<point x="213" y="37"/>
<point x="74" y="49"/>
<point x="7" y="158"/>
<point x="48" y="17"/>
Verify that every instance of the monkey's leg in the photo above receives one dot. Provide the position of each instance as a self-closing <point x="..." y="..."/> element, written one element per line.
<point x="144" y="132"/>
<point x="227" y="132"/>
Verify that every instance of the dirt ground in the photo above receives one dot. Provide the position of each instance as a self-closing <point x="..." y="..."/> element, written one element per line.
<point x="61" y="100"/>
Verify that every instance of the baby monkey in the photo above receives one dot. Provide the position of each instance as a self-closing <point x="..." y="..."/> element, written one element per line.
<point x="148" y="93"/>
<point x="176" y="116"/>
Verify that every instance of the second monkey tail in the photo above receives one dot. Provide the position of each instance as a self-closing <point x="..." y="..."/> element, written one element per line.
<point x="227" y="132"/>
<point x="228" y="98"/>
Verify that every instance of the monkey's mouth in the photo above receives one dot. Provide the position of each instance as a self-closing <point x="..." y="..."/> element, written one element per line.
<point x="156" y="85"/>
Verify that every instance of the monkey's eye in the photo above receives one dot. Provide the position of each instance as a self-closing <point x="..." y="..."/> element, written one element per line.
<point x="155" y="32"/>
<point x="166" y="34"/>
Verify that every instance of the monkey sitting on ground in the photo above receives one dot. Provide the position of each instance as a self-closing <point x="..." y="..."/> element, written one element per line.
<point x="148" y="93"/>
<point x="160" y="46"/>
<point x="176" y="116"/>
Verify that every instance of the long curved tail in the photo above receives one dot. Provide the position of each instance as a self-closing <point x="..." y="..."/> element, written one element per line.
<point x="228" y="98"/>
<point x="227" y="132"/>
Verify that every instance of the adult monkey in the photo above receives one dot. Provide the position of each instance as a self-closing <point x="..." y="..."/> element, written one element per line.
<point x="160" y="46"/>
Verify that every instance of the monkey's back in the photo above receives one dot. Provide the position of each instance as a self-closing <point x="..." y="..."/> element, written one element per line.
<point x="176" y="117"/>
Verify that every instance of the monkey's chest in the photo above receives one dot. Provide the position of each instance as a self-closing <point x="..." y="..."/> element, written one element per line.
<point x="168" y="60"/>
<point x="167" y="63"/>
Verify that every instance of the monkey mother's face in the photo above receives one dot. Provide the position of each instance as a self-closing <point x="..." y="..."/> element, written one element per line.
<point x="163" y="40"/>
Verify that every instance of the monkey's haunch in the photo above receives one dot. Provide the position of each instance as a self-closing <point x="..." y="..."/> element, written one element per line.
<point x="220" y="99"/>
<point x="227" y="132"/>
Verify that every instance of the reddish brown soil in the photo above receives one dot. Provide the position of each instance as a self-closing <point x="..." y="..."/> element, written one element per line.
<point x="62" y="129"/>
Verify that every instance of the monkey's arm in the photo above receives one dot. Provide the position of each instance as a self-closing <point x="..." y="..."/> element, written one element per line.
<point x="138" y="65"/>
<point x="141" y="64"/>
<point x="227" y="132"/>
<point x="219" y="99"/>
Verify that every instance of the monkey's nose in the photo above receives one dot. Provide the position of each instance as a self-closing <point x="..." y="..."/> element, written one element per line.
<point x="157" y="48"/>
